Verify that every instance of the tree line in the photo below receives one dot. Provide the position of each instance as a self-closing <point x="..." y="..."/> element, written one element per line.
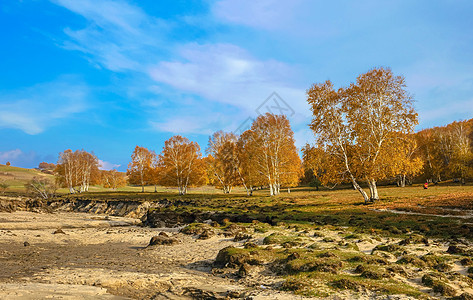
<point x="363" y="135"/>
<point x="264" y="155"/>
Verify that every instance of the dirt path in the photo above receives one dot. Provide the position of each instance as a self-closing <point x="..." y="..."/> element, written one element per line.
<point x="101" y="257"/>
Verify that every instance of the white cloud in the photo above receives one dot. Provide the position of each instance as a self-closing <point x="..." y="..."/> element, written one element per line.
<point x="10" y="155"/>
<point x="119" y="36"/>
<point x="264" y="14"/>
<point x="105" y="165"/>
<point x="228" y="74"/>
<point x="18" y="158"/>
<point x="35" y="108"/>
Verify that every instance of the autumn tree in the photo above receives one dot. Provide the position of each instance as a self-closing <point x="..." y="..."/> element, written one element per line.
<point x="141" y="168"/>
<point x="77" y="170"/>
<point x="462" y="155"/>
<point x="317" y="163"/>
<point x="181" y="164"/>
<point x="447" y="151"/>
<point x="406" y="162"/>
<point x="223" y="160"/>
<point x="358" y="126"/>
<point x="113" y="179"/>
<point x="272" y="154"/>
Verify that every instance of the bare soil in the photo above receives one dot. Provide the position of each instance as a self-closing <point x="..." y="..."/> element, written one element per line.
<point x="104" y="257"/>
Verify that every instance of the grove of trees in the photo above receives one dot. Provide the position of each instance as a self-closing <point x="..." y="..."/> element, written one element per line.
<point x="77" y="170"/>
<point x="363" y="135"/>
<point x="359" y="129"/>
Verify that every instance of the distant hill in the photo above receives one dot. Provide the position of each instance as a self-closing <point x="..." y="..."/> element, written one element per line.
<point x="16" y="177"/>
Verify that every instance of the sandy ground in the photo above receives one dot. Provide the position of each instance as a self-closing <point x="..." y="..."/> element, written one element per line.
<point x="103" y="257"/>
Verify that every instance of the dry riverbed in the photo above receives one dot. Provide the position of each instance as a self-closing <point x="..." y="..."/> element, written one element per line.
<point x="103" y="257"/>
<point x="65" y="255"/>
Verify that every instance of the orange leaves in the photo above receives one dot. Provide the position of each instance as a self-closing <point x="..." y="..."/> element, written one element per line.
<point x="180" y="164"/>
<point x="77" y="169"/>
<point x="270" y="154"/>
<point x="141" y="169"/>
<point x="358" y="125"/>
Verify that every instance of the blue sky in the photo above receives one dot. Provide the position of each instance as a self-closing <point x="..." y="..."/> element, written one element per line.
<point x="106" y="76"/>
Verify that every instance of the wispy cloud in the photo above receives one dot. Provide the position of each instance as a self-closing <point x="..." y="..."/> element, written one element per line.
<point x="119" y="36"/>
<point x="35" y="108"/>
<point x="228" y="74"/>
<point x="126" y="39"/>
<point x="263" y="14"/>
<point x="18" y="158"/>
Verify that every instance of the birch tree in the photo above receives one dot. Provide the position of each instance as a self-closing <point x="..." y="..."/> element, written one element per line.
<point x="223" y="160"/>
<point x="140" y="169"/>
<point x="358" y="125"/>
<point x="77" y="170"/>
<point x="113" y="179"/>
<point x="181" y="164"/>
<point x="272" y="153"/>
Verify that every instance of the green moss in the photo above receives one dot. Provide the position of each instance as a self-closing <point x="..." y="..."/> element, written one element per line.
<point x="412" y="260"/>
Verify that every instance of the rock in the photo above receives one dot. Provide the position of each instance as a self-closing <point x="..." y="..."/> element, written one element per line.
<point x="466" y="261"/>
<point x="206" y="234"/>
<point x="456" y="249"/>
<point x="371" y="274"/>
<point x="234" y="294"/>
<point x="162" y="240"/>
<point x="231" y="257"/>
<point x="415" y="239"/>
<point x="26" y="244"/>
<point x="196" y="293"/>
<point x="244" y="270"/>
<point x="242" y="236"/>
<point x="234" y="229"/>
<point x="248" y="245"/>
<point x="59" y="231"/>
<point x="360" y="269"/>
<point x="464" y="296"/>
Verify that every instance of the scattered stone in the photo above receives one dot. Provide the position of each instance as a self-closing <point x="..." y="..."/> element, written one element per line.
<point x="234" y="294"/>
<point x="231" y="257"/>
<point x="388" y="248"/>
<point x="240" y="236"/>
<point x="411" y="259"/>
<point x="59" y="231"/>
<point x="397" y="269"/>
<point x="464" y="296"/>
<point x="415" y="239"/>
<point x="206" y="234"/>
<point x="26" y="244"/>
<point x="244" y="270"/>
<point x="360" y="269"/>
<point x="248" y="245"/>
<point x="372" y="274"/>
<point x="457" y="249"/>
<point x="443" y="289"/>
<point x="162" y="240"/>
<point x="196" y="293"/>
<point x="466" y="261"/>
<point x="443" y="267"/>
